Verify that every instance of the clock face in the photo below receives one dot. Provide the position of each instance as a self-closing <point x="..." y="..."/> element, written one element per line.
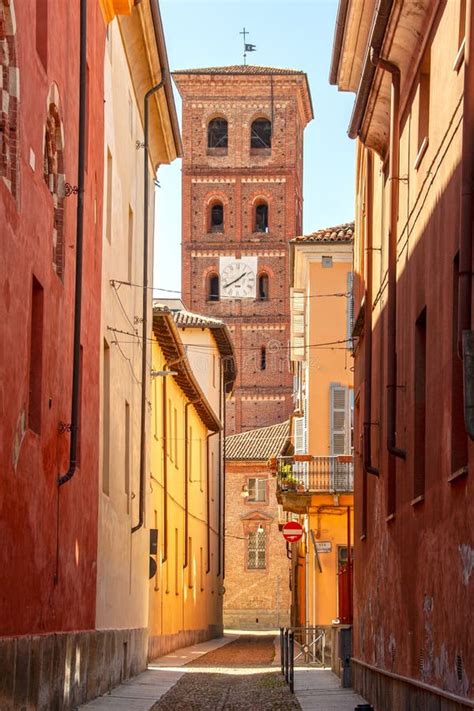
<point x="238" y="279"/>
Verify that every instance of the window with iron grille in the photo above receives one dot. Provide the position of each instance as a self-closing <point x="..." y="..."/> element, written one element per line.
<point x="261" y="134"/>
<point x="257" y="489"/>
<point x="217" y="133"/>
<point x="261" y="217"/>
<point x="257" y="550"/>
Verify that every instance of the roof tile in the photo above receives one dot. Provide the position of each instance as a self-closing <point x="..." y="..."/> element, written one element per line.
<point x="239" y="69"/>
<point x="259" y="444"/>
<point x="339" y="233"/>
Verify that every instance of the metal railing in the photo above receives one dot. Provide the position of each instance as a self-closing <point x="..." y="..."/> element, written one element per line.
<point x="315" y="474"/>
<point x="303" y="646"/>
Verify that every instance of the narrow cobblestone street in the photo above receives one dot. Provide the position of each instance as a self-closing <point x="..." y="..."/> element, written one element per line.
<point x="240" y="672"/>
<point x="241" y="678"/>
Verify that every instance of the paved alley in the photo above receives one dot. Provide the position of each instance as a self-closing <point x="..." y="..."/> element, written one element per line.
<point x="239" y="671"/>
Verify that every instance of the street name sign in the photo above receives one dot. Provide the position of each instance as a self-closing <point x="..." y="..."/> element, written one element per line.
<point x="292" y="531"/>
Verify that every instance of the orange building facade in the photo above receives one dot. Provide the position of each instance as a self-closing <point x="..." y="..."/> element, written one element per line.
<point x="316" y="482"/>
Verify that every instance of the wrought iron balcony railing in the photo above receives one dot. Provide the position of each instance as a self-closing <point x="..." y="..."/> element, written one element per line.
<point x="306" y="474"/>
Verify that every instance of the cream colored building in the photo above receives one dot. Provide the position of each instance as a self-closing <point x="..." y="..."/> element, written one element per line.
<point x="135" y="61"/>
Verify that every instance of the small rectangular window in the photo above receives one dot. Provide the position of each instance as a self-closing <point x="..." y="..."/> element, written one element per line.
<point x="326" y="262"/>
<point x="108" y="216"/>
<point x="423" y="107"/>
<point x="176" y="562"/>
<point x="42" y="27"/>
<point x="257" y="550"/>
<point x="36" y="357"/>
<point x="190" y="563"/>
<point x="257" y="490"/>
<point x="420" y="406"/>
<point x="127" y="455"/>
<point x="190" y="454"/>
<point x="130" y="244"/>
<point x="106" y="420"/>
<point x="459" y="443"/>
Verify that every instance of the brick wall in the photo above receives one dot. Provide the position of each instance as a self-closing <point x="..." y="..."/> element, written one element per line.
<point x="254" y="599"/>
<point x="238" y="178"/>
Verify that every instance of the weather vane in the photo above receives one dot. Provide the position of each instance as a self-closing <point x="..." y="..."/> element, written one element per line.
<point x="247" y="47"/>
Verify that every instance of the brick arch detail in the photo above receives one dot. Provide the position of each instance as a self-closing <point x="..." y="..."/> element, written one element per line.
<point x="210" y="199"/>
<point x="9" y="98"/>
<point x="54" y="174"/>
<point x="254" y="199"/>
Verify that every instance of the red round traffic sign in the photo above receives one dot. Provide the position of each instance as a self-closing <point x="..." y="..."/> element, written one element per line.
<point x="292" y="531"/>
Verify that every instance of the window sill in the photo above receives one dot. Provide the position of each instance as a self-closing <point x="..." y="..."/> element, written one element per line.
<point x="418" y="500"/>
<point x="390" y="517"/>
<point x="459" y="474"/>
<point x="217" y="151"/>
<point x="459" y="60"/>
<point x="421" y="152"/>
<point x="260" y="152"/>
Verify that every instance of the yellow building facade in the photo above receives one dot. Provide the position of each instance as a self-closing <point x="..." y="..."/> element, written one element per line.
<point x="187" y="482"/>
<point x="316" y="482"/>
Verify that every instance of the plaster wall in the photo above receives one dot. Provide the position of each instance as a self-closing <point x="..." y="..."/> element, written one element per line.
<point x="413" y="576"/>
<point x="326" y="323"/>
<point x="49" y="535"/>
<point x="122" y="589"/>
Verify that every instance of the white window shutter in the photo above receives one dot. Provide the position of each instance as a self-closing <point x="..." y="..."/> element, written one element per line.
<point x="297" y="301"/>
<point x="350" y="308"/>
<point x="298" y="435"/>
<point x="340" y="419"/>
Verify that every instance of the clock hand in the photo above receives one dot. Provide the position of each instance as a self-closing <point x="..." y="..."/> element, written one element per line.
<point x="225" y="286"/>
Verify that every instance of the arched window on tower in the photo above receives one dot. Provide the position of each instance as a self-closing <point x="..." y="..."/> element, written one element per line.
<point x="216" y="217"/>
<point x="261" y="217"/>
<point x="217" y="134"/>
<point x="213" y="287"/>
<point x="263" y="358"/>
<point x="263" y="287"/>
<point x="261" y="134"/>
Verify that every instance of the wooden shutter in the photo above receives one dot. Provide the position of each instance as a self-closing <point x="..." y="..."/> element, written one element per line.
<point x="350" y="308"/>
<point x="297" y="300"/>
<point x="298" y="435"/>
<point x="340" y="419"/>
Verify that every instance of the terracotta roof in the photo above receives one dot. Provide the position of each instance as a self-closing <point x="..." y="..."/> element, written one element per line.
<point x="339" y="233"/>
<point x="259" y="444"/>
<point x="239" y="69"/>
<point x="222" y="337"/>
<point x="169" y="340"/>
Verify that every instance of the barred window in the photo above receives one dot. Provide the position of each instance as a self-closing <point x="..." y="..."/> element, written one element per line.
<point x="217" y="133"/>
<point x="257" y="489"/>
<point x="257" y="553"/>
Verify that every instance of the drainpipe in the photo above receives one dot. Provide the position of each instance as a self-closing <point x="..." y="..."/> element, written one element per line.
<point x="394" y="164"/>
<point x="62" y="479"/>
<point x="164" y="421"/>
<point x="465" y="332"/>
<point x="208" y="502"/>
<point x="368" y="467"/>
<point x="143" y="443"/>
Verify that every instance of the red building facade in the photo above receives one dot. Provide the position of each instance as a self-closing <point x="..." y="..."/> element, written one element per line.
<point x="414" y="456"/>
<point x="242" y="201"/>
<point x="48" y="532"/>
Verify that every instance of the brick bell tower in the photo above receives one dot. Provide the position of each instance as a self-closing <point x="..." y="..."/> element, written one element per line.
<point x="242" y="201"/>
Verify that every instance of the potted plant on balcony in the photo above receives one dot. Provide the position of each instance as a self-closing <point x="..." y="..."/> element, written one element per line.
<point x="300" y="486"/>
<point x="288" y="483"/>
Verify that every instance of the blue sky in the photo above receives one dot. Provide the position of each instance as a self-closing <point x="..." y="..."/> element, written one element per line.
<point x="296" y="34"/>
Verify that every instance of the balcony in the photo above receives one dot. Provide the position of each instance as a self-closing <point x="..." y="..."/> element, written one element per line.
<point x="301" y="476"/>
